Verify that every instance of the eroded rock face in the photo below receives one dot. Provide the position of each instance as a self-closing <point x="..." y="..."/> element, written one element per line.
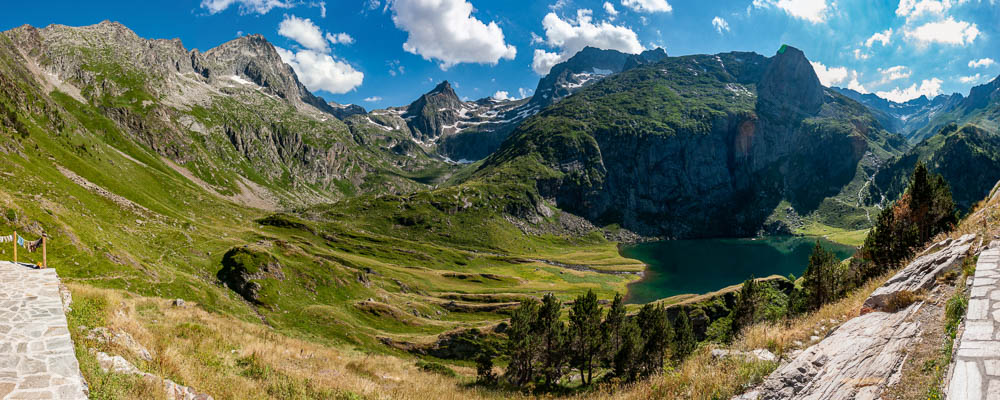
<point x="857" y="361"/>
<point x="922" y="273"/>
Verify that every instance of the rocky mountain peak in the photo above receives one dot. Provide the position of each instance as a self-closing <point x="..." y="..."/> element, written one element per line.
<point x="428" y="115"/>
<point x="254" y="58"/>
<point x="790" y="82"/>
<point x="984" y="94"/>
<point x="444" y="89"/>
<point x="585" y="67"/>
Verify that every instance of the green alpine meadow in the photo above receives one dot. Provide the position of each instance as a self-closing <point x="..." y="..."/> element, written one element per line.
<point x="330" y="204"/>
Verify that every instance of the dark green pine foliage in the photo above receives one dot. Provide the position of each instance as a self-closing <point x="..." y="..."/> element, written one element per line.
<point x="748" y="303"/>
<point x="523" y="345"/>
<point x="613" y="331"/>
<point x="586" y="343"/>
<point x="925" y="210"/>
<point x="657" y="334"/>
<point x="554" y="336"/>
<point x="823" y="279"/>
<point x="626" y="360"/>
<point x="684" y="341"/>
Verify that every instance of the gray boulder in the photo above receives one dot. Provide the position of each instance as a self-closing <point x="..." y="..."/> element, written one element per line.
<point x="922" y="272"/>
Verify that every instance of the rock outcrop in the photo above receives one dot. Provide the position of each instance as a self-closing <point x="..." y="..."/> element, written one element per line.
<point x="865" y="355"/>
<point x="790" y="82"/>
<point x="172" y="390"/>
<point x="922" y="273"/>
<point x="857" y="361"/>
<point x="246" y="271"/>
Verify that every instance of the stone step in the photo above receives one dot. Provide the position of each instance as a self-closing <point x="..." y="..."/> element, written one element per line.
<point x="975" y="372"/>
<point x="37" y="358"/>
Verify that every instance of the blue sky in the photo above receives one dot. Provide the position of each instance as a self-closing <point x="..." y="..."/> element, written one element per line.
<point x="378" y="54"/>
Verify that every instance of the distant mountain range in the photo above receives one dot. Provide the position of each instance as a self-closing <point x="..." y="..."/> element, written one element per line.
<point x="907" y="118"/>
<point x="471" y="130"/>
<point x="702" y="145"/>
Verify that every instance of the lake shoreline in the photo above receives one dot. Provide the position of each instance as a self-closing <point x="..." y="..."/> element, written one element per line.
<point x="709" y="265"/>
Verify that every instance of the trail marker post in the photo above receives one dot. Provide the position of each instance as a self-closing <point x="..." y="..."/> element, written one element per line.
<point x="15" y="247"/>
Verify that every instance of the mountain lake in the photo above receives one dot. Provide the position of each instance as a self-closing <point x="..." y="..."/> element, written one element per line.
<point x="706" y="265"/>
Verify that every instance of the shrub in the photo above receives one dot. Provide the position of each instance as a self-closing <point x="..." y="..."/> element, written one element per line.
<point x="900" y="300"/>
<point x="954" y="310"/>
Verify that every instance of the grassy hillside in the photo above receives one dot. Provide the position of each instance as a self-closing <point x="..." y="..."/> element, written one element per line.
<point x="133" y="226"/>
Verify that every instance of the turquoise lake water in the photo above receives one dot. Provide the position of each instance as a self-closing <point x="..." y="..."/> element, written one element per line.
<point x="706" y="265"/>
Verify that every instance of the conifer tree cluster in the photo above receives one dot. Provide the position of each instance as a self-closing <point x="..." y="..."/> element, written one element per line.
<point x="542" y="348"/>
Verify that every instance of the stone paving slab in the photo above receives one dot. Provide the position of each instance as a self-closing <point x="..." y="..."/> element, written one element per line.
<point x="975" y="373"/>
<point x="37" y="359"/>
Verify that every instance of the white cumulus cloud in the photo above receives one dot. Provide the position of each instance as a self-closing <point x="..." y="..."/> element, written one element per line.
<point x="814" y="11"/>
<point x="884" y="37"/>
<point x="445" y="30"/>
<point x="829" y="76"/>
<point x="648" y="5"/>
<point x="917" y="8"/>
<point x="947" y="31"/>
<point x="610" y="9"/>
<point x="928" y="87"/>
<point x="855" y="85"/>
<point x="971" y="78"/>
<point x="569" y="36"/>
<point x="373" y="99"/>
<point x="339" y="38"/>
<point x="981" y="63"/>
<point x="319" y="71"/>
<point x="245" y="6"/>
<point x="720" y="24"/>
<point x="502" y="95"/>
<point x="303" y="31"/>
<point x="895" y="73"/>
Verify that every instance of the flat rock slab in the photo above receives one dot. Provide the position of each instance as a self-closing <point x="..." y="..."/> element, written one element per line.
<point x="37" y="358"/>
<point x="857" y="361"/>
<point x="865" y="355"/>
<point x="975" y="371"/>
<point x="922" y="273"/>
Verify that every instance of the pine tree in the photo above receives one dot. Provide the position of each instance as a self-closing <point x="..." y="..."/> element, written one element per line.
<point x="626" y="360"/>
<point x="612" y="330"/>
<point x="657" y="334"/>
<point x="523" y="345"/>
<point x="821" y="280"/>
<point x="747" y="303"/>
<point x="553" y="334"/>
<point x="585" y="324"/>
<point x="685" y="342"/>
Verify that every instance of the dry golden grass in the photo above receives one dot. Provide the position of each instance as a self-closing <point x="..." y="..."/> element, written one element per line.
<point x="234" y="359"/>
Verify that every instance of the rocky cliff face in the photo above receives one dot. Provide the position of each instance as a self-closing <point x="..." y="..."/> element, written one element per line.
<point x="642" y="150"/>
